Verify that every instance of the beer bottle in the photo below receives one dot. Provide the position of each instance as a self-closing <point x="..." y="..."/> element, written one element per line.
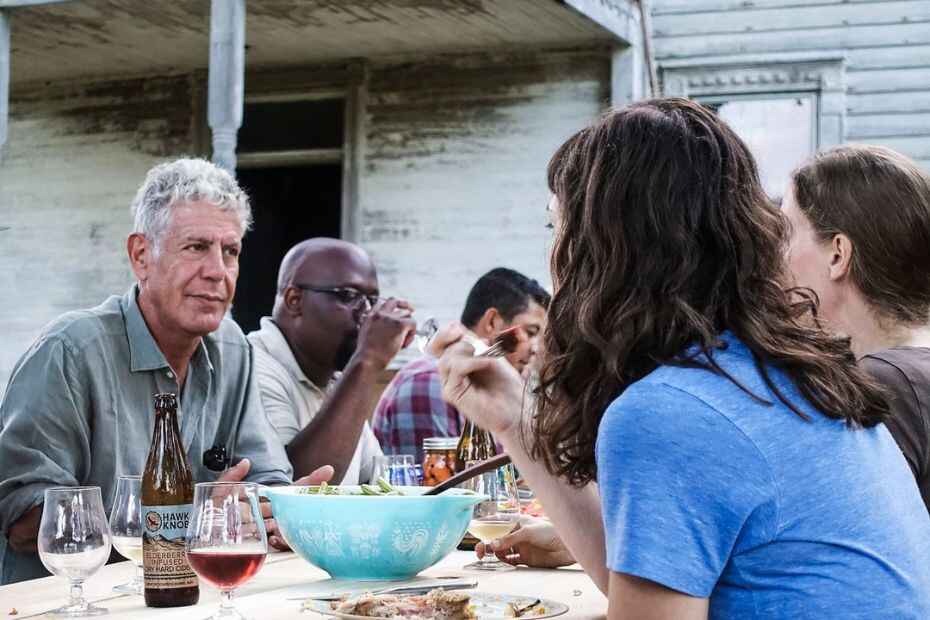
<point x="167" y="498"/>
<point x="475" y="444"/>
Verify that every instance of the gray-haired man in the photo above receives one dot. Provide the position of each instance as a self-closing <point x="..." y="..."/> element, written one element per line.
<point x="78" y="409"/>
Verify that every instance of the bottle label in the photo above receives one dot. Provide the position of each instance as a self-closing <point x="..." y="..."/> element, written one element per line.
<point x="163" y="550"/>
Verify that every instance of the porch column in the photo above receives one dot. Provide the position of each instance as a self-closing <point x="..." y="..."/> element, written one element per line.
<point x="4" y="76"/>
<point x="227" y="78"/>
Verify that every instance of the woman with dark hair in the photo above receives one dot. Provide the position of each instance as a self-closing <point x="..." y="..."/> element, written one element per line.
<point x="860" y="239"/>
<point x="741" y="465"/>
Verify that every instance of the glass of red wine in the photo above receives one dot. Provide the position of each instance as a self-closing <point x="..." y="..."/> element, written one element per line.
<point x="226" y="540"/>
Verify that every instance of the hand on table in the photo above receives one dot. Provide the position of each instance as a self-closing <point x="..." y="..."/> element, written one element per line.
<point x="534" y="543"/>
<point x="241" y="469"/>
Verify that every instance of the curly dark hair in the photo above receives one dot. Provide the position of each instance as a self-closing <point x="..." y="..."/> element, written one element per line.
<point x="664" y="239"/>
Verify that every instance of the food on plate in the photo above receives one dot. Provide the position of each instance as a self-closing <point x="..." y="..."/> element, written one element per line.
<point x="436" y="605"/>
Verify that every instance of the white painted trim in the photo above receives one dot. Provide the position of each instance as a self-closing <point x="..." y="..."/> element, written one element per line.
<point x="615" y="16"/>
<point x="780" y="57"/>
<point x="823" y="74"/>
<point x="291" y="96"/>
<point x="354" y="122"/>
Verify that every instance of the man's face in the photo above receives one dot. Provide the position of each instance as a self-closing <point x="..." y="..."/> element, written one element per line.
<point x="533" y="322"/>
<point x="192" y="280"/>
<point x="329" y="324"/>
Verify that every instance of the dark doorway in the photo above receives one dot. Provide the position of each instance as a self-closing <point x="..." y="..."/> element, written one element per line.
<point x="289" y="204"/>
<point x="290" y="155"/>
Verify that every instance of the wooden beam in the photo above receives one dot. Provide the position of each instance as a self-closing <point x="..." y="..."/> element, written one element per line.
<point x="226" y="87"/>
<point x="4" y="76"/>
<point x="12" y="4"/>
<point x="297" y="157"/>
<point x="354" y="148"/>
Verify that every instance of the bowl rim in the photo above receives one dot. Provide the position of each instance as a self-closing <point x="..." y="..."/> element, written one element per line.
<point x="291" y="490"/>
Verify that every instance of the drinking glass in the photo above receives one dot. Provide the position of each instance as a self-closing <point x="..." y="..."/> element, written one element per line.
<point x="398" y="469"/>
<point x="74" y="542"/>
<point x="497" y="515"/>
<point x="226" y="540"/>
<point x="126" y="528"/>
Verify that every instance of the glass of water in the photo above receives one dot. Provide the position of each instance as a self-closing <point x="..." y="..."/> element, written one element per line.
<point x="398" y="469"/>
<point x="126" y="528"/>
<point x="74" y="542"/>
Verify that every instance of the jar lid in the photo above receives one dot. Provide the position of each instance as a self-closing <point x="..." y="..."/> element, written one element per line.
<point x="440" y="443"/>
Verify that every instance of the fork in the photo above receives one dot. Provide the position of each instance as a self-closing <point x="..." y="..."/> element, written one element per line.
<point x="505" y="342"/>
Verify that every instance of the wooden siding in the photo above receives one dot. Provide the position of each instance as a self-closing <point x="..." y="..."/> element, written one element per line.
<point x="453" y="182"/>
<point x="886" y="45"/>
<point x="101" y="39"/>
<point x="75" y="157"/>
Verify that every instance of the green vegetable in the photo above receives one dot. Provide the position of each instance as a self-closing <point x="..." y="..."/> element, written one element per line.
<point x="381" y="488"/>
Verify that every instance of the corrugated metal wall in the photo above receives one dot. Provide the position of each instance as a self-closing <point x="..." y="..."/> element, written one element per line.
<point x="886" y="44"/>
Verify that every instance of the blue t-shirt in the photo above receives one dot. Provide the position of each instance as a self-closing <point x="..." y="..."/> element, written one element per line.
<point x="709" y="492"/>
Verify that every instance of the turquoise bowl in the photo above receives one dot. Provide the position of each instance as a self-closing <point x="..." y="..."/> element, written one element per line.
<point x="372" y="537"/>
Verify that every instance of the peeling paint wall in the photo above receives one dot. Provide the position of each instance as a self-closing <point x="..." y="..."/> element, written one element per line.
<point x="452" y="182"/>
<point x="74" y="159"/>
<point x="455" y="155"/>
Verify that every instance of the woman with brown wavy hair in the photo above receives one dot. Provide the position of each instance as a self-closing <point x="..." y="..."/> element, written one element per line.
<point x="741" y="465"/>
<point x="860" y="239"/>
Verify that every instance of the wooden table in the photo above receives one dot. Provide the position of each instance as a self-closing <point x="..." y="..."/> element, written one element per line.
<point x="284" y="576"/>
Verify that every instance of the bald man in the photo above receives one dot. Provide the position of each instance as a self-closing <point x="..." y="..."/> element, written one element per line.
<point x="319" y="354"/>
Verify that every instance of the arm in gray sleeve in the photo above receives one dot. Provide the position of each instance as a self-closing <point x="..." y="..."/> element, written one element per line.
<point x="44" y="434"/>
<point x="257" y="439"/>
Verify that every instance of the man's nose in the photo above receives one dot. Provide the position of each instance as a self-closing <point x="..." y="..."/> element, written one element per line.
<point x="213" y="267"/>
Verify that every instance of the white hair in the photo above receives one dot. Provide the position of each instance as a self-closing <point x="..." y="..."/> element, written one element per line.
<point x="184" y="181"/>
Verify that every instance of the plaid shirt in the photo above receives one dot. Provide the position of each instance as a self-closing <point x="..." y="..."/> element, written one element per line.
<point x="412" y="409"/>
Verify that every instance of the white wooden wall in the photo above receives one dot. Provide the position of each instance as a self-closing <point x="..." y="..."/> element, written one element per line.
<point x="454" y="175"/>
<point x="452" y="182"/>
<point x="886" y="44"/>
<point x="73" y="162"/>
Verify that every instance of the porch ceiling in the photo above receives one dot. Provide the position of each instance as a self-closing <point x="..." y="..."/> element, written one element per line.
<point x="107" y="38"/>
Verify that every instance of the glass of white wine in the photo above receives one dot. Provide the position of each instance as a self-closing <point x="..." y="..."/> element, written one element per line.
<point x="126" y="528"/>
<point x="74" y="542"/>
<point x="496" y="516"/>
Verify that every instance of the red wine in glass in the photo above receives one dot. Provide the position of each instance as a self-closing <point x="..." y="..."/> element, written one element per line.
<point x="225" y="569"/>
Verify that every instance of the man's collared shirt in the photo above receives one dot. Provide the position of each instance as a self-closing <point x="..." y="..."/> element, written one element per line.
<point x="291" y="400"/>
<point x="78" y="410"/>
<point x="412" y="408"/>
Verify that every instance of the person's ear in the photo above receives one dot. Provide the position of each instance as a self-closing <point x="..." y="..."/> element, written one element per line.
<point x="841" y="252"/>
<point x="490" y="323"/>
<point x="141" y="255"/>
<point x="293" y="300"/>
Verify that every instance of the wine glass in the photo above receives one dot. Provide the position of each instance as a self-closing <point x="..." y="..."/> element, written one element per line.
<point x="496" y="516"/>
<point x="126" y="528"/>
<point x="226" y="540"/>
<point x="74" y="542"/>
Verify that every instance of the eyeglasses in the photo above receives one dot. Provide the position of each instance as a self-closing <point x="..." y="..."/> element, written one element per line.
<point x="343" y="294"/>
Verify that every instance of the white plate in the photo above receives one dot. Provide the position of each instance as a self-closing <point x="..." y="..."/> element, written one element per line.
<point x="487" y="607"/>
